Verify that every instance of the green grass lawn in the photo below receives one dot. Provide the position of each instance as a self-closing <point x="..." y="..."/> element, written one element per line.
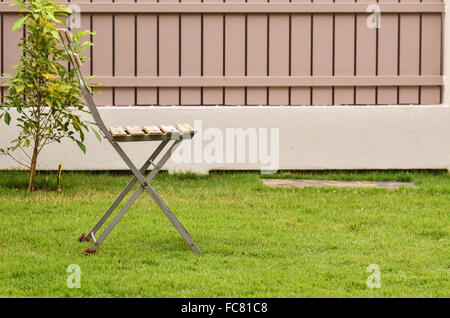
<point x="256" y="241"/>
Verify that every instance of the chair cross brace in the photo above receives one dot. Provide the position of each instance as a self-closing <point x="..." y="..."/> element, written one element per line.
<point x="145" y="185"/>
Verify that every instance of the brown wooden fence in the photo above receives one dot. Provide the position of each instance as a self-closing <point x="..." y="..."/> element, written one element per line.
<point x="257" y="52"/>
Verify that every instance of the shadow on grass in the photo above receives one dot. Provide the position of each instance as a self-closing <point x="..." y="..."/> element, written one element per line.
<point x="101" y="180"/>
<point x="355" y="175"/>
<point x="18" y="180"/>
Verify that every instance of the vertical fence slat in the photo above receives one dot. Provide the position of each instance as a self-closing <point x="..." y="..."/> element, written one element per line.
<point x="191" y="54"/>
<point x="212" y="54"/>
<point x="344" y="54"/>
<point x="365" y="58"/>
<point x="11" y="52"/>
<point x="322" y="54"/>
<point x="409" y="53"/>
<point x="169" y="55"/>
<point x="86" y="25"/>
<point x="431" y="55"/>
<point x="124" y="56"/>
<point x="234" y="55"/>
<point x="1" y="54"/>
<point x="301" y="55"/>
<point x="388" y="56"/>
<point x="279" y="54"/>
<point x="146" y="55"/>
<point x="256" y="55"/>
<point x="102" y="54"/>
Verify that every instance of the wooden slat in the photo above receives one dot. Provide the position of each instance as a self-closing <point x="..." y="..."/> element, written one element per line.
<point x="431" y="54"/>
<point x="301" y="55"/>
<point x="212" y="54"/>
<point x="146" y="55"/>
<point x="63" y="35"/>
<point x="152" y="130"/>
<point x="344" y="55"/>
<point x="11" y="52"/>
<point x="75" y="59"/>
<point x="117" y="131"/>
<point x="366" y="49"/>
<point x="66" y="37"/>
<point x="168" y="129"/>
<point x="169" y="54"/>
<point x="134" y="130"/>
<point x="409" y="54"/>
<point x="1" y="58"/>
<point x="102" y="56"/>
<point x="85" y="25"/>
<point x="322" y="55"/>
<point x="387" y="56"/>
<point x="191" y="48"/>
<point x="124" y="56"/>
<point x="256" y="54"/>
<point x="234" y="55"/>
<point x="185" y="128"/>
<point x="164" y="7"/>
<point x="278" y="55"/>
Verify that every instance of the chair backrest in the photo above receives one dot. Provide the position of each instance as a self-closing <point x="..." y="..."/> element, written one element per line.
<point x="66" y="39"/>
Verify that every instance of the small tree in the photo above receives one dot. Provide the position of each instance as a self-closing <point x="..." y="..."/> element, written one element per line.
<point x="43" y="93"/>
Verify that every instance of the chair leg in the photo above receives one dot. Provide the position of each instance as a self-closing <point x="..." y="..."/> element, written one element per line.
<point x="176" y="223"/>
<point x="145" y="185"/>
<point x="122" y="195"/>
<point x="113" y="223"/>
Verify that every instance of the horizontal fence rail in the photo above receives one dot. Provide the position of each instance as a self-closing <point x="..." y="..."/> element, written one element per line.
<point x="256" y="52"/>
<point x="117" y="7"/>
<point x="276" y="81"/>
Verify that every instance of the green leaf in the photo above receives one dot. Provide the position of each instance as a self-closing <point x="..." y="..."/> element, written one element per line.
<point x="7" y="118"/>
<point x="82" y="147"/>
<point x="19" y="23"/>
<point x="97" y="134"/>
<point x="20" y="88"/>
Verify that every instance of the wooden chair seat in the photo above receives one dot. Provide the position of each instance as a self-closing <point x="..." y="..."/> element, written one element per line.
<point x="151" y="130"/>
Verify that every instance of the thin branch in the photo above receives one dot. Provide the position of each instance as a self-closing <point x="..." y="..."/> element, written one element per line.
<point x="21" y="148"/>
<point x="20" y="163"/>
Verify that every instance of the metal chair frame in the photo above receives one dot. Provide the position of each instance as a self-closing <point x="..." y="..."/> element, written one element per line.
<point x="177" y="138"/>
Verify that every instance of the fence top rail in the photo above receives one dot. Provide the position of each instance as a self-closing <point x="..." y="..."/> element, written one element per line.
<point x="132" y="7"/>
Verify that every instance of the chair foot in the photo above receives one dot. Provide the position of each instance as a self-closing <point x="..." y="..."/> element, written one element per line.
<point x="88" y="251"/>
<point x="195" y="249"/>
<point x="83" y="238"/>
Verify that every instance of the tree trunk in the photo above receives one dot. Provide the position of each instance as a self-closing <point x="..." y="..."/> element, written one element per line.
<point x="33" y="169"/>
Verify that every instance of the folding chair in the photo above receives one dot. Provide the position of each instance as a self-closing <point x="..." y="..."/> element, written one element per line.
<point x="115" y="135"/>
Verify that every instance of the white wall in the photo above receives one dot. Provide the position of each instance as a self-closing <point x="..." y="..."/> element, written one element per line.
<point x="311" y="137"/>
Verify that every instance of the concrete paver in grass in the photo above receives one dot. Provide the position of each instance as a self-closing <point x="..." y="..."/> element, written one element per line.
<point x="302" y="183"/>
